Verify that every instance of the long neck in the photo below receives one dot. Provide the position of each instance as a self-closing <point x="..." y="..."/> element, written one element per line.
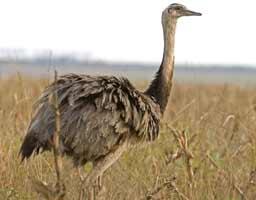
<point x="160" y="87"/>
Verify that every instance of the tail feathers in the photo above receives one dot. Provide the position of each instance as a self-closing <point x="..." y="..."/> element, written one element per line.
<point x="30" y="145"/>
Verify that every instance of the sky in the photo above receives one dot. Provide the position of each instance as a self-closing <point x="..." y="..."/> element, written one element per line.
<point x="131" y="30"/>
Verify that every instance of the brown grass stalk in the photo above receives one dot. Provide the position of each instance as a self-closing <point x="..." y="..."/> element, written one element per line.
<point x="58" y="191"/>
<point x="226" y="176"/>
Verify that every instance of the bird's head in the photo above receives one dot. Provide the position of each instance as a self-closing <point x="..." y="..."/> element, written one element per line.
<point x="175" y="11"/>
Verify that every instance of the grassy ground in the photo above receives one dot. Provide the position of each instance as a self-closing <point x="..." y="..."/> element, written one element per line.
<point x="207" y="148"/>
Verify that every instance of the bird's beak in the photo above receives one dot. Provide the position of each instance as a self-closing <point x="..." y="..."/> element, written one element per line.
<point x="191" y="13"/>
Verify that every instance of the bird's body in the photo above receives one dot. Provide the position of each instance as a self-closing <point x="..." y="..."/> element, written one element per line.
<point x="103" y="116"/>
<point x="97" y="114"/>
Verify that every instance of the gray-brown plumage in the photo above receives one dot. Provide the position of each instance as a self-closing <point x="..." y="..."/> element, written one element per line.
<point x="102" y="116"/>
<point x="97" y="113"/>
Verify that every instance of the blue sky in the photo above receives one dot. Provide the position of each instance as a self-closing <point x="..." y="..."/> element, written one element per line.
<point x="131" y="30"/>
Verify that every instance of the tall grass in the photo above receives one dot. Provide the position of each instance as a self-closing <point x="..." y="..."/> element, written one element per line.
<point x="207" y="148"/>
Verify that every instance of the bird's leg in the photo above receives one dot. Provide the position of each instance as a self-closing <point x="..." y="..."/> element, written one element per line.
<point x="103" y="164"/>
<point x="80" y="173"/>
<point x="99" y="182"/>
<point x="97" y="186"/>
<point x="101" y="189"/>
<point x="82" y="177"/>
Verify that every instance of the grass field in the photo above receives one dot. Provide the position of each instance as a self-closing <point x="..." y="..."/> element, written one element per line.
<point x="207" y="148"/>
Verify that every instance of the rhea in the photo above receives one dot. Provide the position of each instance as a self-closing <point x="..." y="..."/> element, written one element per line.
<point x="103" y="116"/>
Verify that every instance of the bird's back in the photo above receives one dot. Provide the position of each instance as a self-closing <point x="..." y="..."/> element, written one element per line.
<point x="96" y="114"/>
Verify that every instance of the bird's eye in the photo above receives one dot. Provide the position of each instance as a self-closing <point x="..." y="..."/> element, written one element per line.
<point x="178" y="8"/>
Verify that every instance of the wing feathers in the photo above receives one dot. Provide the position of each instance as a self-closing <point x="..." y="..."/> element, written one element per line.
<point x="94" y="111"/>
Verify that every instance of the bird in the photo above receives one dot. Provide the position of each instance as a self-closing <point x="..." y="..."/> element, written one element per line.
<point x="101" y="117"/>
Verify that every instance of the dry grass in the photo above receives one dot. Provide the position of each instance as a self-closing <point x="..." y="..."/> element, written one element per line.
<point x="207" y="148"/>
